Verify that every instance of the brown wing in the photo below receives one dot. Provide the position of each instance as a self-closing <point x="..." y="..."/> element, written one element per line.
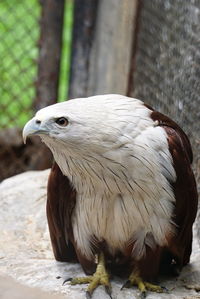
<point x="61" y="199"/>
<point x="185" y="189"/>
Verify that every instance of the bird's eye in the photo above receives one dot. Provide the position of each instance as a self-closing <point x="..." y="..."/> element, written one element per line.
<point x="62" y="121"/>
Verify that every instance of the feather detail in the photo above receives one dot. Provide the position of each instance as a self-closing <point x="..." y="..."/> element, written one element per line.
<point x="61" y="200"/>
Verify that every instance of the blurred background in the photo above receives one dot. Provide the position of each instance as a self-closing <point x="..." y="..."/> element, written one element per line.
<point x="52" y="50"/>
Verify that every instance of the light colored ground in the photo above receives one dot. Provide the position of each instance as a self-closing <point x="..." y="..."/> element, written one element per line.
<point x="11" y="289"/>
<point x="26" y="256"/>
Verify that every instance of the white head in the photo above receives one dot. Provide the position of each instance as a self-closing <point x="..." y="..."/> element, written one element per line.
<point x="87" y="124"/>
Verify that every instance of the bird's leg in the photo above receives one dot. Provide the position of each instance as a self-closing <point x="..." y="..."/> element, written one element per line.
<point x="136" y="280"/>
<point x="100" y="277"/>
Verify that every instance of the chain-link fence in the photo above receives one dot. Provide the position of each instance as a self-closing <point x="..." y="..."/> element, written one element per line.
<point x="30" y="52"/>
<point x="19" y="30"/>
<point x="167" y="65"/>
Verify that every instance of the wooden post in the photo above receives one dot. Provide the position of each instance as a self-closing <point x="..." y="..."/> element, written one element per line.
<point x="112" y="48"/>
<point x="102" y="55"/>
<point x="85" y="12"/>
<point x="50" y="44"/>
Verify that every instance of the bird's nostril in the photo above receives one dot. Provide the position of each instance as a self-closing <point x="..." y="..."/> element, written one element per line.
<point x="38" y="121"/>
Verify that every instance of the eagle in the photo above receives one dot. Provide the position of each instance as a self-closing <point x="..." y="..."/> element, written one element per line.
<point x="122" y="197"/>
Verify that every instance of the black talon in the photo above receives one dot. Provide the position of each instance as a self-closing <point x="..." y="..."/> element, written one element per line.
<point x="108" y="291"/>
<point x="165" y="290"/>
<point x="68" y="279"/>
<point x="126" y="285"/>
<point x="88" y="295"/>
<point x="143" y="295"/>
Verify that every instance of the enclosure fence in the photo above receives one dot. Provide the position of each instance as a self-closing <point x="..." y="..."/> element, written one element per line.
<point x="167" y="64"/>
<point x="19" y="30"/>
<point x="31" y="74"/>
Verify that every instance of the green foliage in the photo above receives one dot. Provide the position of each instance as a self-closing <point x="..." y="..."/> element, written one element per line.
<point x="66" y="51"/>
<point x="19" y="33"/>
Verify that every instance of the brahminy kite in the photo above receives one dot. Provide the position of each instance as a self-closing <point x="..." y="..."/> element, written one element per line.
<point x="121" y="197"/>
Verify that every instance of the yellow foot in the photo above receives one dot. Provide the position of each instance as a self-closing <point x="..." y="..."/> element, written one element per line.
<point x="100" y="277"/>
<point x="143" y="286"/>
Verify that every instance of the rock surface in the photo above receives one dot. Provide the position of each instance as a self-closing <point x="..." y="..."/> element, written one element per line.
<point x="26" y="255"/>
<point x="11" y="289"/>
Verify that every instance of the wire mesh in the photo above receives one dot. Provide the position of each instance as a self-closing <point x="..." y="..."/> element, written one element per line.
<point x="167" y="64"/>
<point x="23" y="54"/>
<point x="19" y="31"/>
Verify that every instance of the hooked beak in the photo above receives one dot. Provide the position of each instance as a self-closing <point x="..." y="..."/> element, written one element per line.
<point x="33" y="127"/>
